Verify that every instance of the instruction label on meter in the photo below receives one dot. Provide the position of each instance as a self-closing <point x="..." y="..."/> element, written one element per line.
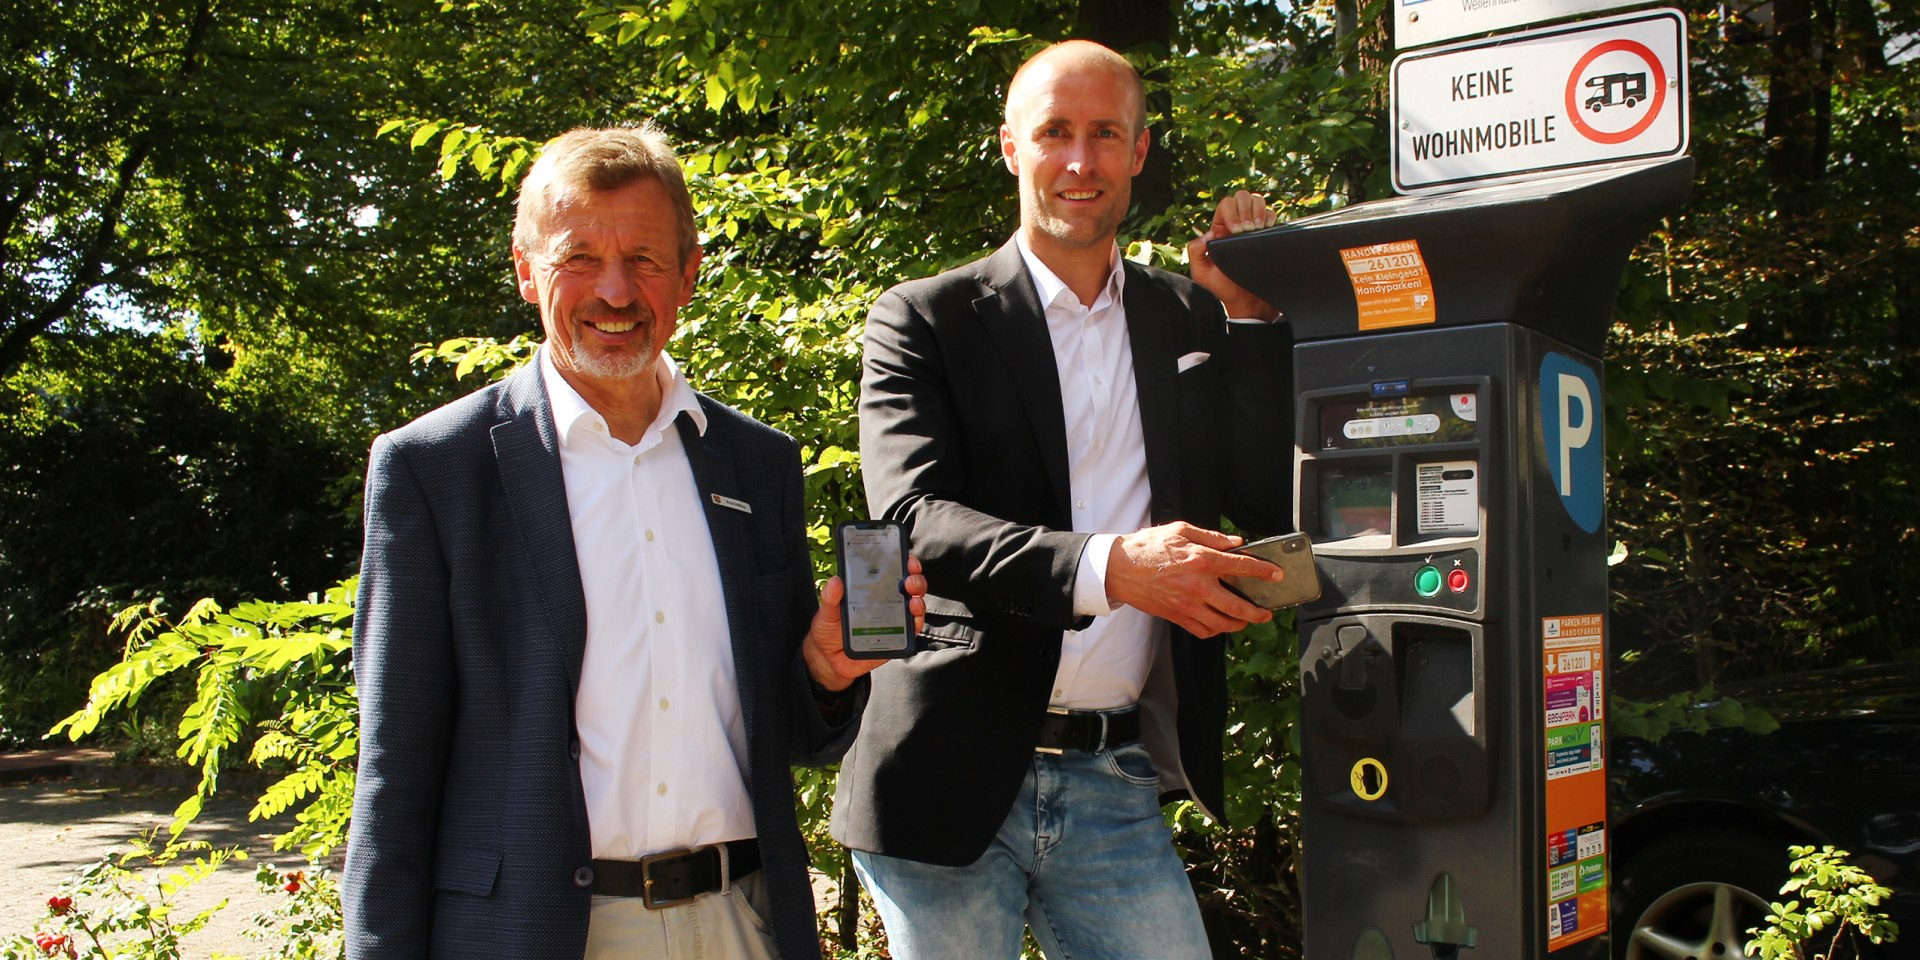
<point x="1573" y="651"/>
<point x="1449" y="497"/>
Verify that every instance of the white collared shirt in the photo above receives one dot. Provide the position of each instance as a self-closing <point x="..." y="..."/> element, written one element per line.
<point x="1103" y="667"/>
<point x="663" y="748"/>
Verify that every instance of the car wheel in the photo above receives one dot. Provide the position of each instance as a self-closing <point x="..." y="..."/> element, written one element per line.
<point x="1694" y="896"/>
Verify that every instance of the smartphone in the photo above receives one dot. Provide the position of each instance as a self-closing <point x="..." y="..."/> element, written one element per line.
<point x="875" y="621"/>
<point x="1292" y="553"/>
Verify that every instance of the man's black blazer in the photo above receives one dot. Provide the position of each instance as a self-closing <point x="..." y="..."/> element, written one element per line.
<point x="963" y="439"/>
<point x="469" y="834"/>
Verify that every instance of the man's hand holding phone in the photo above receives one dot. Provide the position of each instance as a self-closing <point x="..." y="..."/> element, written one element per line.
<point x="872" y="611"/>
<point x="1293" y="554"/>
<point x="1174" y="572"/>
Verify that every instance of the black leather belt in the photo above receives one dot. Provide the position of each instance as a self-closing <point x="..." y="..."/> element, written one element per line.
<point x="667" y="879"/>
<point x="1087" y="730"/>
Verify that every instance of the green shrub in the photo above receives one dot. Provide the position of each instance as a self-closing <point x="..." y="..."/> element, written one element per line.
<point x="1839" y="897"/>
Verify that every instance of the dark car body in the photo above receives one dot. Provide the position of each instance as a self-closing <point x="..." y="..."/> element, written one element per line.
<point x="1701" y="823"/>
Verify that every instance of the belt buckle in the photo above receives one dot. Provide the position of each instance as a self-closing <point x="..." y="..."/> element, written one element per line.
<point x="1102" y="745"/>
<point x="1054" y="751"/>
<point x="646" y="878"/>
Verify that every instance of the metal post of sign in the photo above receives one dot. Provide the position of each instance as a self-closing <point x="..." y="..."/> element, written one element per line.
<point x="1449" y="468"/>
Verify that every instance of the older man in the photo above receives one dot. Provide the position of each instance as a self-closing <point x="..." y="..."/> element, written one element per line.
<point x="1061" y="430"/>
<point x="587" y="647"/>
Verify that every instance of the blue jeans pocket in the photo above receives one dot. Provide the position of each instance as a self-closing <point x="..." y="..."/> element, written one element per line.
<point x="1132" y="763"/>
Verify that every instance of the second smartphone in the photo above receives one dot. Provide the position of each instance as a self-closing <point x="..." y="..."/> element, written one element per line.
<point x="1293" y="553"/>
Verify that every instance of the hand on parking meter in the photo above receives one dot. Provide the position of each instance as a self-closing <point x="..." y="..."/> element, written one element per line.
<point x="1238" y="212"/>
<point x="1173" y="571"/>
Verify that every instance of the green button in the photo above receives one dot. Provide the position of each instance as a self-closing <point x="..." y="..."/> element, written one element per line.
<point x="1427" y="581"/>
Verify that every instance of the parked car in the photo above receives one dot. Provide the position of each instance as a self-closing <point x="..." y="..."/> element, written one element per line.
<point x="1701" y="823"/>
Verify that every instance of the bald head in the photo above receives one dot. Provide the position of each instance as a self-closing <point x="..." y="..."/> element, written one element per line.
<point x="1070" y="58"/>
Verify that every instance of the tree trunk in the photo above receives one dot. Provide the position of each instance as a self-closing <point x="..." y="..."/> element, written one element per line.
<point x="1798" y="125"/>
<point x="1699" y="572"/>
<point x="1371" y="50"/>
<point x="1143" y="27"/>
<point x="1799" y="87"/>
<point x="849" y="908"/>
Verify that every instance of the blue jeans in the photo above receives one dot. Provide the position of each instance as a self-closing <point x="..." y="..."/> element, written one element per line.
<point x="1084" y="858"/>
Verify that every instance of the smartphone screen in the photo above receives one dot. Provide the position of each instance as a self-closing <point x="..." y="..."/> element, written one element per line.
<point x="875" y="619"/>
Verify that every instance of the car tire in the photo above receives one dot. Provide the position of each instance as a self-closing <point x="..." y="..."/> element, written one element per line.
<point x="1693" y="896"/>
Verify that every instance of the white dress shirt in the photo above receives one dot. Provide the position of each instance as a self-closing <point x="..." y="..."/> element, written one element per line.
<point x="663" y="748"/>
<point x="1103" y="667"/>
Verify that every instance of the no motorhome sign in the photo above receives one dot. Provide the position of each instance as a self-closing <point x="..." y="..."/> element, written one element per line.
<point x="1541" y="101"/>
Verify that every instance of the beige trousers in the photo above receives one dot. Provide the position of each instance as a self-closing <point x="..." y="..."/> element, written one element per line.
<point x="713" y="926"/>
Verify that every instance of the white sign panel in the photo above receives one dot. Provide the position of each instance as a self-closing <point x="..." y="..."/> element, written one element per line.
<point x="1448" y="494"/>
<point x="1542" y="101"/>
<point x="1420" y="22"/>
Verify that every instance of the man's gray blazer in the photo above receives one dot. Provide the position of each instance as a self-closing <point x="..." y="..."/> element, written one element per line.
<point x="469" y="835"/>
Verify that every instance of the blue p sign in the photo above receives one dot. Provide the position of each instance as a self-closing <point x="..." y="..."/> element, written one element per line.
<point x="1570" y="428"/>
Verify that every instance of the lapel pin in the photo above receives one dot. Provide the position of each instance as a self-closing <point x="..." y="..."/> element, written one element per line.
<point x="730" y="503"/>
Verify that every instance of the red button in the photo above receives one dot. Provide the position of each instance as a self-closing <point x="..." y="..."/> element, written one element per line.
<point x="1457" y="580"/>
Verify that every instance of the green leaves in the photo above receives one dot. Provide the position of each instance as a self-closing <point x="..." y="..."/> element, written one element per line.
<point x="485" y="354"/>
<point x="490" y="156"/>
<point x="277" y="671"/>
<point x="1837" y="896"/>
<point x="1691" y="711"/>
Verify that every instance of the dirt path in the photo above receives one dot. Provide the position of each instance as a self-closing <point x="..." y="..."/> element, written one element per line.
<point x="52" y="828"/>
<point x="49" y="830"/>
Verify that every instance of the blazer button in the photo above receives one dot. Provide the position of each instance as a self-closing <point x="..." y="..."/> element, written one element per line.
<point x="583" y="877"/>
<point x="573" y="748"/>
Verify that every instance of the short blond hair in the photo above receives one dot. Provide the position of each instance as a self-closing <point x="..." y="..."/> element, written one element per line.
<point x="597" y="159"/>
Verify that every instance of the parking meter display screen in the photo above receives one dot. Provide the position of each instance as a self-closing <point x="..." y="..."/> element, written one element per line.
<point x="1355" y="501"/>
<point x="1399" y="421"/>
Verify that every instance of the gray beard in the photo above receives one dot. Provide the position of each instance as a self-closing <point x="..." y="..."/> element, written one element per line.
<point x="603" y="367"/>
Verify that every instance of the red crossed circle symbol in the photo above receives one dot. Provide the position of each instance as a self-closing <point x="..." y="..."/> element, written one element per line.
<point x="1659" y="78"/>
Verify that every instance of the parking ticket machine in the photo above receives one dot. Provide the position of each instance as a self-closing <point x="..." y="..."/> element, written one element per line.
<point x="1448" y="466"/>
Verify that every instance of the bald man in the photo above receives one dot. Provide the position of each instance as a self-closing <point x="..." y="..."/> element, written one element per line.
<point x="1061" y="431"/>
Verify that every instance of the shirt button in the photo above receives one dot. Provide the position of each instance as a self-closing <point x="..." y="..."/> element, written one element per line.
<point x="659" y="616"/>
<point x="583" y="877"/>
<point x="1057" y="694"/>
<point x="649" y="536"/>
<point x="663" y="703"/>
<point x="1082" y="504"/>
<point x="661" y="789"/>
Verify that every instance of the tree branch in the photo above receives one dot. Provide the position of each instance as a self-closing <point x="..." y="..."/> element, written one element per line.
<point x="90" y="264"/>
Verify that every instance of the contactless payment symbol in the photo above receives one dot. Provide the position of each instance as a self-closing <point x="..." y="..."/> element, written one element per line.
<point x="1570" y="435"/>
<point x="1616" y="91"/>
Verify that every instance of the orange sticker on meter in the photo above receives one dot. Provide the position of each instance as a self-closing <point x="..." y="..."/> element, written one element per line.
<point x="1391" y="287"/>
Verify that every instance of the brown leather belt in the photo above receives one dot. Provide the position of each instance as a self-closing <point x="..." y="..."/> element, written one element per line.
<point x="677" y="876"/>
<point x="1087" y="730"/>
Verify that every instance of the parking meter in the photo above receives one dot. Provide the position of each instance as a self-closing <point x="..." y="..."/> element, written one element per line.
<point x="1448" y="465"/>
